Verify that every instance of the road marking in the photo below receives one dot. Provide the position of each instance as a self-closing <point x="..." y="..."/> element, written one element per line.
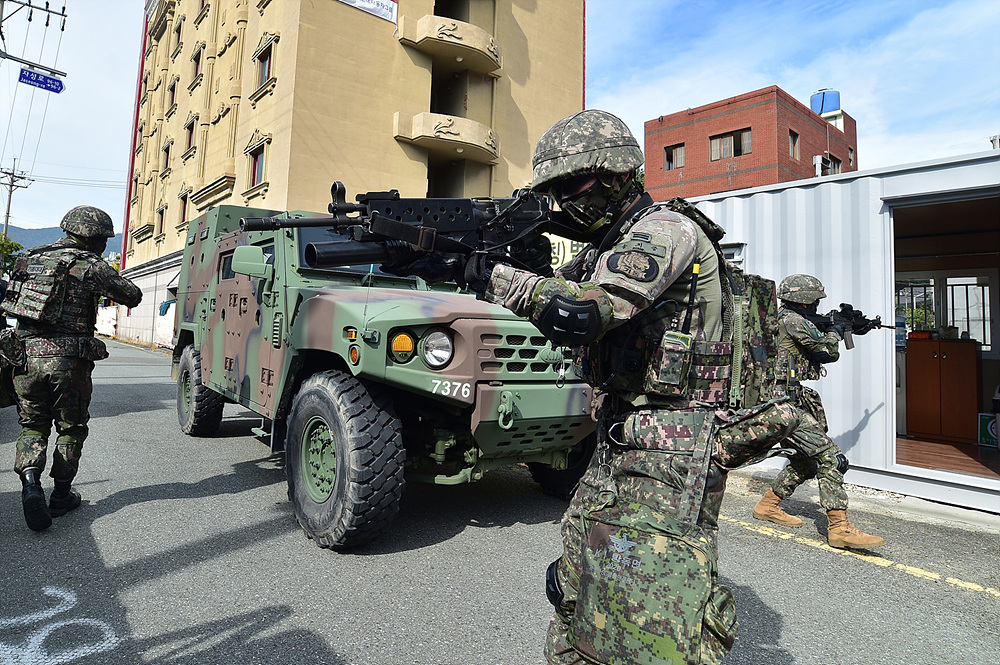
<point x="880" y="561"/>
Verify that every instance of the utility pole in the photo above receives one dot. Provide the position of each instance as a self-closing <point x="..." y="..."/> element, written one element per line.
<point x="11" y="180"/>
<point x="49" y="13"/>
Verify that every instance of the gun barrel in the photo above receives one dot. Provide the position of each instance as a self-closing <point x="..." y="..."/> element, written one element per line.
<point x="274" y="223"/>
<point x="339" y="253"/>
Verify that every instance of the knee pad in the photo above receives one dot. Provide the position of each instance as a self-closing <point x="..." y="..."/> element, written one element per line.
<point x="553" y="590"/>
<point x="842" y="464"/>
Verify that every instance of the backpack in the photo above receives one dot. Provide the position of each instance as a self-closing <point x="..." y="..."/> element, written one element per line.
<point x="37" y="288"/>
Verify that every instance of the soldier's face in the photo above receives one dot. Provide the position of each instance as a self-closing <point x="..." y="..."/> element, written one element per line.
<point x="583" y="198"/>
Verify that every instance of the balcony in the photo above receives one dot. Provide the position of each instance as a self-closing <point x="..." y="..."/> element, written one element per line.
<point x="453" y="44"/>
<point x="447" y="136"/>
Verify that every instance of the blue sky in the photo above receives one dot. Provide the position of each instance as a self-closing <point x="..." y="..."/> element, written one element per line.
<point x="921" y="78"/>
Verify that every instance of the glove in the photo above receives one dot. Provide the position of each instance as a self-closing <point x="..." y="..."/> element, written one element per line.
<point x="536" y="255"/>
<point x="478" y="269"/>
<point x="839" y="328"/>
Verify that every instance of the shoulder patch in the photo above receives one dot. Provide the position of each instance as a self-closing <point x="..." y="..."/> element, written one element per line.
<point x="634" y="265"/>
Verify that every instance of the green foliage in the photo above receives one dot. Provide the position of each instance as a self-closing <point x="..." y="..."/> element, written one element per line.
<point x="10" y="250"/>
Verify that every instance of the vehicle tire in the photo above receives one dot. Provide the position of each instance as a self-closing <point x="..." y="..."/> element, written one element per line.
<point x="199" y="409"/>
<point x="561" y="483"/>
<point x="343" y="460"/>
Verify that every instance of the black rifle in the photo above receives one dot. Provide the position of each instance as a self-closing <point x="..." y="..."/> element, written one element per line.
<point x="430" y="238"/>
<point x="853" y="321"/>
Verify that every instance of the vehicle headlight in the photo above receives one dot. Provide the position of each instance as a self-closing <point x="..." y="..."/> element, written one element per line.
<point x="436" y="349"/>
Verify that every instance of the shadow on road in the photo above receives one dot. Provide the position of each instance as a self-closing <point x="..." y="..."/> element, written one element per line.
<point x="759" y="639"/>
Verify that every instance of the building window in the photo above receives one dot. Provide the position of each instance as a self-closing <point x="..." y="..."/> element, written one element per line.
<point x="965" y="300"/>
<point x="264" y="66"/>
<point x="189" y="132"/>
<point x="196" y="59"/>
<point x="160" y="215"/>
<point x="733" y="144"/>
<point x="256" y="166"/>
<point x="177" y="38"/>
<point x="793" y="144"/>
<point x="166" y="157"/>
<point x="835" y="165"/>
<point x="850" y="156"/>
<point x="182" y="213"/>
<point x="673" y="157"/>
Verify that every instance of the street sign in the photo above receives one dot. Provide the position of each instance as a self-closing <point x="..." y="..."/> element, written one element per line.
<point x="40" y="80"/>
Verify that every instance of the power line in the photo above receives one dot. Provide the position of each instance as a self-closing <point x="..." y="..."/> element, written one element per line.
<point x="13" y="181"/>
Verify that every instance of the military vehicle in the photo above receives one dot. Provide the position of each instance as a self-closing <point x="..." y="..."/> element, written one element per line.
<point x="364" y="379"/>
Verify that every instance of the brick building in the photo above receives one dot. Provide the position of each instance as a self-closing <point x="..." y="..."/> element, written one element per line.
<point x="759" y="138"/>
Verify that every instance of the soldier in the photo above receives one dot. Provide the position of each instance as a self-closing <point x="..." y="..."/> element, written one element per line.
<point x="54" y="293"/>
<point x="802" y="350"/>
<point x="649" y="306"/>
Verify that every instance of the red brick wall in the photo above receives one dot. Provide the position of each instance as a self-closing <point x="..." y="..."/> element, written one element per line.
<point x="769" y="113"/>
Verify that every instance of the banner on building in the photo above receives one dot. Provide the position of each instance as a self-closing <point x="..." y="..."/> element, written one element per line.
<point x="382" y="8"/>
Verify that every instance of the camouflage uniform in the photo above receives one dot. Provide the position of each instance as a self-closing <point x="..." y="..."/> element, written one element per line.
<point x="800" y="343"/>
<point x="54" y="384"/>
<point x="802" y="349"/>
<point x="617" y="590"/>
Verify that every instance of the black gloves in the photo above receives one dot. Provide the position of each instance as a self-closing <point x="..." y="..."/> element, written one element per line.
<point x="478" y="269"/>
<point x="433" y="268"/>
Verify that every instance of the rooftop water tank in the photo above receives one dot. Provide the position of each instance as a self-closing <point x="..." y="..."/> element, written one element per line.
<point x="825" y="100"/>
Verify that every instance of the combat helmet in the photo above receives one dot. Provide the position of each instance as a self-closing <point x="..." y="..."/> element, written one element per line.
<point x="586" y="147"/>
<point x="590" y="141"/>
<point x="802" y="289"/>
<point x="88" y="222"/>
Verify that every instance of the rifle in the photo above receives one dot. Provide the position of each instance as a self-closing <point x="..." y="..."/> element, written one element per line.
<point x="431" y="238"/>
<point x="853" y="320"/>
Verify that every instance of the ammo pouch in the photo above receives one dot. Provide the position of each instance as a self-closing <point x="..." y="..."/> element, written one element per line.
<point x="37" y="288"/>
<point x="88" y="348"/>
<point x="681" y="367"/>
<point x="11" y="349"/>
<point x="649" y="586"/>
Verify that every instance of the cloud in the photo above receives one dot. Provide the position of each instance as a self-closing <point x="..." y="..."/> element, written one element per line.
<point x="920" y="77"/>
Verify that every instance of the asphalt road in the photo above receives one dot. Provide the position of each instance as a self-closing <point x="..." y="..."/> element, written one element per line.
<point x="186" y="552"/>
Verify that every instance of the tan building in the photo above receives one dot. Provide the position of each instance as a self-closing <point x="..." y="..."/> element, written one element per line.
<point x="267" y="102"/>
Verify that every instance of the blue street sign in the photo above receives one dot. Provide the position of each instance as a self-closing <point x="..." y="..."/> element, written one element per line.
<point x="40" y="80"/>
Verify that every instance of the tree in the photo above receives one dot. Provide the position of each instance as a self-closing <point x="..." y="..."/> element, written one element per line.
<point x="10" y="250"/>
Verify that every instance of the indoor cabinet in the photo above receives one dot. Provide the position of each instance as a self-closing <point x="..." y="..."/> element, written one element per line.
<point x="942" y="390"/>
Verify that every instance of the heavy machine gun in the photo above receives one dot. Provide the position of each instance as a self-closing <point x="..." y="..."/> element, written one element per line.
<point x="432" y="238"/>
<point x="851" y="321"/>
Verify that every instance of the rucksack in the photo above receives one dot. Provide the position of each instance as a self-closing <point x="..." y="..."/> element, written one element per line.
<point x="37" y="288"/>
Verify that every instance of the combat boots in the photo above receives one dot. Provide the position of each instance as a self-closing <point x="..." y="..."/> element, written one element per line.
<point x="36" y="513"/>
<point x="767" y="509"/>
<point x="64" y="498"/>
<point x="843" y="534"/>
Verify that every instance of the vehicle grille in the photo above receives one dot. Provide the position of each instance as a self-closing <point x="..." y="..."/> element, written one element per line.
<point x="516" y="354"/>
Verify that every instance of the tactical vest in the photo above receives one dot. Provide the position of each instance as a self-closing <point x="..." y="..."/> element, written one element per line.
<point x="651" y="354"/>
<point x="41" y="282"/>
<point x="791" y="365"/>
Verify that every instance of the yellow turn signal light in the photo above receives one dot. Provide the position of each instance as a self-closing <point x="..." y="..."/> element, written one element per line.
<point x="402" y="346"/>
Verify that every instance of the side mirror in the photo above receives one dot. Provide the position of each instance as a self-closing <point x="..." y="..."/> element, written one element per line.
<point x="249" y="260"/>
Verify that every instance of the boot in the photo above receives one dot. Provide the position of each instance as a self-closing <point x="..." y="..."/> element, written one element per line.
<point x="36" y="513"/>
<point x="64" y="498"/>
<point x="841" y="533"/>
<point x="767" y="509"/>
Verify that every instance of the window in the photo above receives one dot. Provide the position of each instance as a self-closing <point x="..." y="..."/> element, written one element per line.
<point x="177" y="35"/>
<point x="835" y="165"/>
<point x="160" y="214"/>
<point x="793" y="144"/>
<point x="673" y="157"/>
<point x="189" y="132"/>
<point x="257" y="166"/>
<point x="733" y="144"/>
<point x="172" y="95"/>
<point x="965" y="300"/>
<point x="264" y="66"/>
<point x="182" y="216"/>
<point x="166" y="156"/>
<point x="196" y="59"/>
<point x="850" y="156"/>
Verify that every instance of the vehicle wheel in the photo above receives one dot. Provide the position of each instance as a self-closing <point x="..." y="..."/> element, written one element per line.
<point x="199" y="409"/>
<point x="561" y="483"/>
<point x="344" y="461"/>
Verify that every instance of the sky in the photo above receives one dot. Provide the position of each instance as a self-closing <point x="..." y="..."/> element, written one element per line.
<point x="922" y="79"/>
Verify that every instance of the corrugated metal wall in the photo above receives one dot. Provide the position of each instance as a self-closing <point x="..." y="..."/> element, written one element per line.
<point x="840" y="230"/>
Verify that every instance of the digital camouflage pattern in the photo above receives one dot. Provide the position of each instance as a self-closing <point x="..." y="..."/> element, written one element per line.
<point x="653" y="490"/>
<point x="590" y="141"/>
<point x="56" y="331"/>
<point x="801" y="346"/>
<point x="504" y="398"/>
<point x="802" y="289"/>
<point x="88" y="222"/>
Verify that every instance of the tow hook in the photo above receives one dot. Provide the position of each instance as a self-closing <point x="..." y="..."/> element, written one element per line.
<point x="506" y="410"/>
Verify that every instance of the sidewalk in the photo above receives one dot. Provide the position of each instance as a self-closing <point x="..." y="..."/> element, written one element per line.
<point x="757" y="478"/>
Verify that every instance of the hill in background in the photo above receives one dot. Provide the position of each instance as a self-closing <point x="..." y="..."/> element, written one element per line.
<point x="29" y="238"/>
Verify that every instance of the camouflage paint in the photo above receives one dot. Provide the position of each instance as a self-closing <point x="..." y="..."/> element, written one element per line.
<point x="259" y="337"/>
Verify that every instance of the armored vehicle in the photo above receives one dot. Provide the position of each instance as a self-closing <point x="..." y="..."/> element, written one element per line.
<point x="364" y="379"/>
